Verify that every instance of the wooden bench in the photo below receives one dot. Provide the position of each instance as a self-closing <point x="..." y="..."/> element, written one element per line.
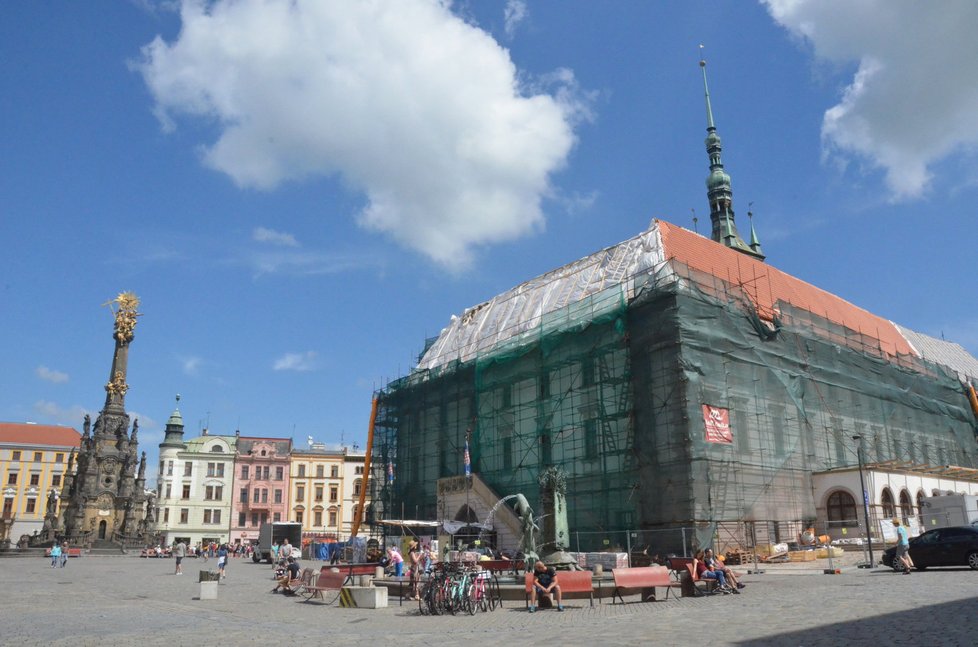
<point x="642" y="577"/>
<point x="709" y="584"/>
<point x="330" y="580"/>
<point x="569" y="582"/>
<point x="678" y="566"/>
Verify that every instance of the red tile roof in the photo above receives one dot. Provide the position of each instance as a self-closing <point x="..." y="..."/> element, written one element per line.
<point x="28" y="434"/>
<point x="766" y="286"/>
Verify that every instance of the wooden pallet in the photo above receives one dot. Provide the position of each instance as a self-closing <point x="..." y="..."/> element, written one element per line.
<point x="739" y="557"/>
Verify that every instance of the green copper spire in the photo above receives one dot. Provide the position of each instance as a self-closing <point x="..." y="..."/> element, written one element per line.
<point x="718" y="189"/>
<point x="755" y="244"/>
<point x="174" y="429"/>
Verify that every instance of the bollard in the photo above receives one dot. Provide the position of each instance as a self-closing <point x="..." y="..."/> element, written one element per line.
<point x="364" y="580"/>
<point x="598" y="570"/>
<point x="379" y="573"/>
<point x="208" y="584"/>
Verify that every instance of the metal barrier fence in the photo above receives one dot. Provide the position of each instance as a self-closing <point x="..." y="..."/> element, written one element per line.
<point x="641" y="546"/>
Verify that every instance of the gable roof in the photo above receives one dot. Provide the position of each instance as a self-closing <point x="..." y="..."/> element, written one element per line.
<point x="29" y="434"/>
<point x="768" y="286"/>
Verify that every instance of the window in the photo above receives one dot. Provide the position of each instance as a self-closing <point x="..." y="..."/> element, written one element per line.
<point x="886" y="499"/>
<point x="264" y="517"/>
<point x="264" y="495"/>
<point x="590" y="439"/>
<point x="318" y="518"/>
<point x="278" y="496"/>
<point x="184" y="515"/>
<point x="242" y="518"/>
<point x="300" y="493"/>
<point x="332" y="517"/>
<point x="220" y="470"/>
<point x="31" y="505"/>
<point x="277" y="516"/>
<point x="358" y="469"/>
<point x="169" y="468"/>
<point x="38" y="457"/>
<point x="841" y="510"/>
<point x="35" y="479"/>
<point x="188" y="469"/>
<point x="216" y="516"/>
<point x="265" y="472"/>
<point x="186" y="492"/>
<point x="59" y="458"/>
<point x="319" y="493"/>
<point x="302" y="471"/>
<point x="320" y="471"/>
<point x="15" y="456"/>
<point x="166" y="515"/>
<point x="8" y="506"/>
<point x="56" y="480"/>
<point x="12" y="478"/>
<point x="298" y="516"/>
<point x="217" y="449"/>
<point x="279" y="473"/>
<point x="333" y="494"/>
<point x="215" y="492"/>
<point x="207" y="516"/>
<point x="244" y="472"/>
<point x="357" y="485"/>
<point x="334" y="471"/>
<point x="162" y="466"/>
<point x="906" y="506"/>
<point x="169" y="490"/>
<point x="256" y="495"/>
<point x="254" y="518"/>
<point x="244" y="496"/>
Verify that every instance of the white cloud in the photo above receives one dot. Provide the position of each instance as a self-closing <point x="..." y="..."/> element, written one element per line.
<point x="912" y="100"/>
<point x="403" y="100"/>
<point x="296" y="362"/>
<point x="514" y="13"/>
<point x="295" y="263"/>
<point x="263" y="235"/>
<point x="56" y="414"/>
<point x="50" y="375"/>
<point x="191" y="365"/>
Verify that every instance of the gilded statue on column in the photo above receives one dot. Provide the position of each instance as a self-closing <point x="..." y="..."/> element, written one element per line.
<point x="125" y="315"/>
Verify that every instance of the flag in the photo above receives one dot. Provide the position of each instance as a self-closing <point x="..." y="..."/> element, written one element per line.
<point x="390" y="471"/>
<point x="467" y="460"/>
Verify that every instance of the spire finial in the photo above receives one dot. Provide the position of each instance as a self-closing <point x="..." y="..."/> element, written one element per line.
<point x="706" y="90"/>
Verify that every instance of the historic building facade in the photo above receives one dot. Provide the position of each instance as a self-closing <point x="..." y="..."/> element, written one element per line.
<point x="261" y="486"/>
<point x="325" y="490"/>
<point x="33" y="464"/>
<point x="195" y="487"/>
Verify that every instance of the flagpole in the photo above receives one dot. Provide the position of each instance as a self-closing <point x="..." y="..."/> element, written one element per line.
<point x="467" y="464"/>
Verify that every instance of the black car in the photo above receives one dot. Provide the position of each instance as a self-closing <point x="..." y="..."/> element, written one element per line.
<point x="955" y="546"/>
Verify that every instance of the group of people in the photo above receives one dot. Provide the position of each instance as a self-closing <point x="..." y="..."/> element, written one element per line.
<point x="179" y="551"/>
<point x="59" y="555"/>
<point x="708" y="567"/>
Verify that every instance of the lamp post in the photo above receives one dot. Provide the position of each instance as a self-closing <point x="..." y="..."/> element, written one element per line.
<point x="862" y="485"/>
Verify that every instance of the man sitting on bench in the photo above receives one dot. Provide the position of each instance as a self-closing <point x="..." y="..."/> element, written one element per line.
<point x="291" y="574"/>
<point x="544" y="584"/>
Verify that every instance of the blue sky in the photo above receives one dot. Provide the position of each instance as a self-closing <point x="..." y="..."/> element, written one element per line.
<point x="301" y="196"/>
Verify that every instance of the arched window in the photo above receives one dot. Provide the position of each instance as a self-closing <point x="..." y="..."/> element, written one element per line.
<point x="217" y="448"/>
<point x="841" y="510"/>
<point x="920" y="503"/>
<point x="886" y="500"/>
<point x="906" y="505"/>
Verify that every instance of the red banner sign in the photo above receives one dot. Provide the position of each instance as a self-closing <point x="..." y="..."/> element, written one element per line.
<point x="717" y="423"/>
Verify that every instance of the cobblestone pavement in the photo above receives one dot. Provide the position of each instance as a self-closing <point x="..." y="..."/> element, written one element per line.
<point x="130" y="601"/>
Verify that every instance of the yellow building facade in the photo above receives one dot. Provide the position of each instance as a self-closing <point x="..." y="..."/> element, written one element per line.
<point x="33" y="462"/>
<point x="324" y="490"/>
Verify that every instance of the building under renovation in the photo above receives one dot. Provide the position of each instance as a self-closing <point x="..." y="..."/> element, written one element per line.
<point x="678" y="381"/>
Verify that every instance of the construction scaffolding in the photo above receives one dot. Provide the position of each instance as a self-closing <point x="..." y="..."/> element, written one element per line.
<point x="608" y="377"/>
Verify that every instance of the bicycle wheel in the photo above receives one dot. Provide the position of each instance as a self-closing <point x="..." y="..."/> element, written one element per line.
<point x="467" y="602"/>
<point x="482" y="596"/>
<point x="492" y="594"/>
<point x="423" y="607"/>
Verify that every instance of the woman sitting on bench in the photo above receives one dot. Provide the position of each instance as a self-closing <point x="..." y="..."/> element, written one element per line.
<point x="706" y="572"/>
<point x="717" y="565"/>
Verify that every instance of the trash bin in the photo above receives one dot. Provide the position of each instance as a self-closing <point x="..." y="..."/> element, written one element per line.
<point x="208" y="584"/>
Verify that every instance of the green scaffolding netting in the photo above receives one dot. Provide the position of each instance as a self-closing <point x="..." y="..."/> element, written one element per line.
<point x="611" y="390"/>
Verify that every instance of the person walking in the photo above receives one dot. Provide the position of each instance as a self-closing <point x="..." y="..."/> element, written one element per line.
<point x="903" y="547"/>
<point x="179" y="552"/>
<point x="64" y="553"/>
<point x="222" y="560"/>
<point x="55" y="554"/>
<point x="414" y="566"/>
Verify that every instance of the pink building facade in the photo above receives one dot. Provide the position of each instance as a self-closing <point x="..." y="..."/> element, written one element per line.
<point x="261" y="486"/>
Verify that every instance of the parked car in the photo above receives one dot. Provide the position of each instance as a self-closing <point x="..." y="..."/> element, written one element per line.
<point x="954" y="546"/>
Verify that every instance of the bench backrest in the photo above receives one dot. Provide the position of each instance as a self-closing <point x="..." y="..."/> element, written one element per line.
<point x="330" y="579"/>
<point x="641" y="576"/>
<point x="569" y="581"/>
<point x="691" y="567"/>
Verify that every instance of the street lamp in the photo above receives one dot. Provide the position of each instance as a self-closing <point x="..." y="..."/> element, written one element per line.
<point x="862" y="484"/>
